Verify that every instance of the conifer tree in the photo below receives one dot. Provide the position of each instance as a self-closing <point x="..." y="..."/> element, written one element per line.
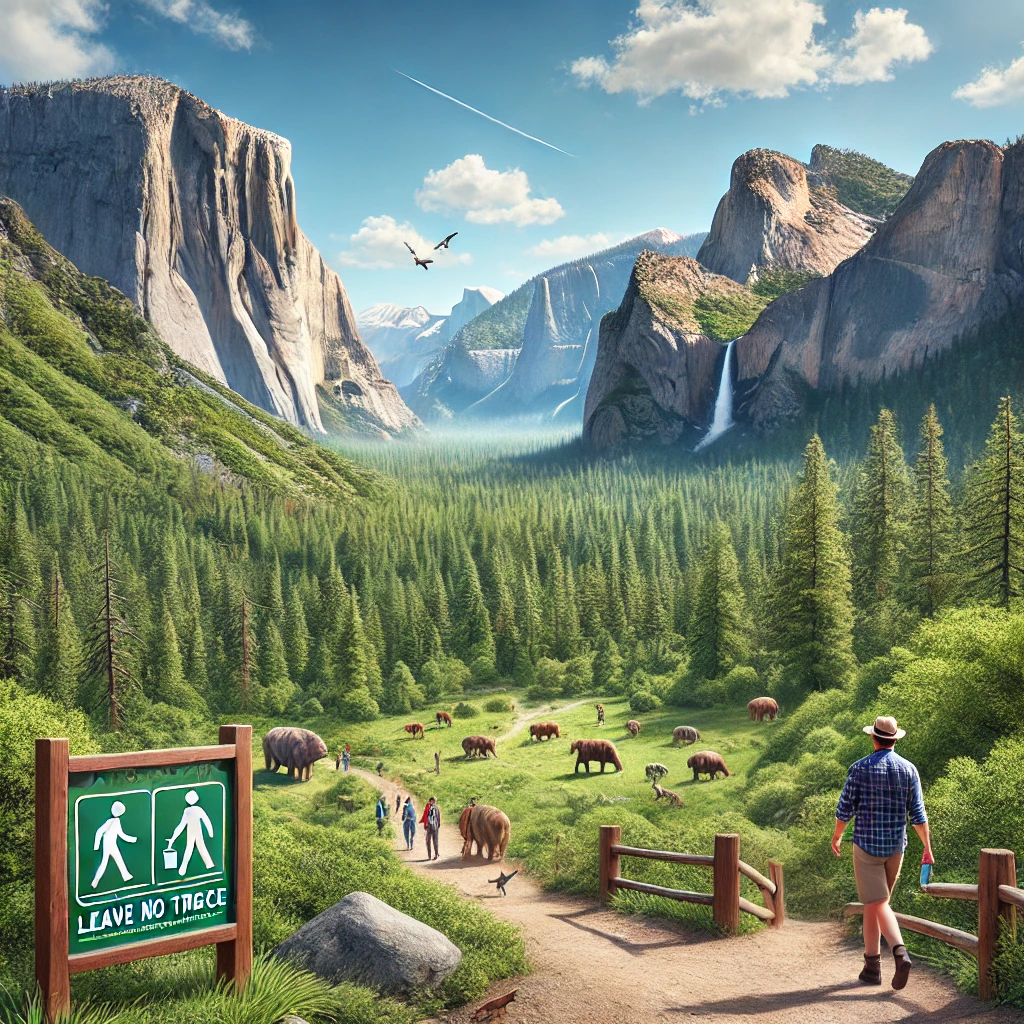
<point x="930" y="536"/>
<point x="718" y="638"/>
<point x="277" y="686"/>
<point x="607" y="665"/>
<point x="471" y="628"/>
<point x="165" y="669"/>
<point x="994" y="511"/>
<point x="296" y="635"/>
<point x="813" y="616"/>
<point x="60" y="648"/>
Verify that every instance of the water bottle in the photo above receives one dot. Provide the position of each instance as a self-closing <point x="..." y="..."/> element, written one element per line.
<point x="926" y="874"/>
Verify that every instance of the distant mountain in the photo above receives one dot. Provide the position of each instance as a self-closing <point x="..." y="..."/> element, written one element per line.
<point x="551" y="321"/>
<point x="84" y="377"/>
<point x="404" y="338"/>
<point x="191" y="214"/>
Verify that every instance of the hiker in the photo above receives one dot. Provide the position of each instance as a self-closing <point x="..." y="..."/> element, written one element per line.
<point x="409" y="822"/>
<point x="337" y="761"/>
<point x="383" y="813"/>
<point x="346" y="756"/>
<point x="882" y="790"/>
<point x="431" y="822"/>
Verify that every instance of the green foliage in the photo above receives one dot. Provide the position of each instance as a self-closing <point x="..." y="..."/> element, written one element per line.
<point x="464" y="710"/>
<point x="723" y="317"/>
<point x="775" y="281"/>
<point x="643" y="700"/>
<point x="862" y="184"/>
<point x="498" y="705"/>
<point x="718" y="636"/>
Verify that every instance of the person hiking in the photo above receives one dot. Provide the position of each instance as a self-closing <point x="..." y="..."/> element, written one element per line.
<point x="346" y="756"/>
<point x="383" y="813"/>
<point x="409" y="822"/>
<point x="882" y="790"/>
<point x="337" y="761"/>
<point x="431" y="822"/>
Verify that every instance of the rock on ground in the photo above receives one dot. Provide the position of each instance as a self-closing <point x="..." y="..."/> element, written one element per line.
<point x="362" y="939"/>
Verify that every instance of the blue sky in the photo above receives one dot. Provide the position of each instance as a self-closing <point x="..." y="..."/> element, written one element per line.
<point x="654" y="121"/>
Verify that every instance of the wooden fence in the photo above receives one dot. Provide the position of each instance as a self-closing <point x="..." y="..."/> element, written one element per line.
<point x="726" y="868"/>
<point x="998" y="899"/>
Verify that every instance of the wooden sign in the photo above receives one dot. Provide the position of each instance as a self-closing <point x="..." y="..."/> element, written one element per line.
<point x="142" y="854"/>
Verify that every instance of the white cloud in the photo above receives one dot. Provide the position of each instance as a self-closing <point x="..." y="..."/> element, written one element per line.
<point x="485" y="196"/>
<point x="995" y="86"/>
<point x="880" y="39"/>
<point x="228" y="29"/>
<point x="45" y="39"/>
<point x="759" y="48"/>
<point x="567" y="247"/>
<point x="380" y="245"/>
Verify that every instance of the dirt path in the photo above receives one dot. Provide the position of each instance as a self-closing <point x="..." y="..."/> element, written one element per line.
<point x="595" y="966"/>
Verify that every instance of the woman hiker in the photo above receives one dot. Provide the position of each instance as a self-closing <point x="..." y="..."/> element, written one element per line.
<point x="882" y="790"/>
<point x="409" y="822"/>
<point x="346" y="756"/>
<point x="431" y="822"/>
<point x="383" y="813"/>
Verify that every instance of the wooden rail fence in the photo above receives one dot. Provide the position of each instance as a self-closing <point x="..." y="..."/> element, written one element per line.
<point x="726" y="868"/>
<point x="998" y="899"/>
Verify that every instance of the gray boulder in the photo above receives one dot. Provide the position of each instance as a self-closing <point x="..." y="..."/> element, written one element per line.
<point x="363" y="940"/>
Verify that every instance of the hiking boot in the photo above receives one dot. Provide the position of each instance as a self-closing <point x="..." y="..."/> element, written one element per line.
<point x="872" y="973"/>
<point x="903" y="965"/>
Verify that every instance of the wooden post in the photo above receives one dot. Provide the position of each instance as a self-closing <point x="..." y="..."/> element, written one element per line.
<point x="234" y="958"/>
<point x="779" y="899"/>
<point x="995" y="868"/>
<point x="726" y="873"/>
<point x="610" y="836"/>
<point x="51" y="855"/>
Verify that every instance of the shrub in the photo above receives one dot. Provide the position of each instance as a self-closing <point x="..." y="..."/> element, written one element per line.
<point x="443" y="674"/>
<point x="643" y="700"/>
<point x="312" y="708"/>
<point x="742" y="684"/>
<point x="483" y="672"/>
<point x="464" y="710"/>
<point x="358" y="706"/>
<point x="498" y="705"/>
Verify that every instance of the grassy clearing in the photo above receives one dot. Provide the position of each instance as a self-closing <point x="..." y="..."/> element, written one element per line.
<point x="556" y="813"/>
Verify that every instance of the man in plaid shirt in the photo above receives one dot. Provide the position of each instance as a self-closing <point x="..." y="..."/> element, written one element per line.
<point x="882" y="791"/>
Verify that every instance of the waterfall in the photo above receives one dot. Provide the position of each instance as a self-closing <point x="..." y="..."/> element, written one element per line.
<point x="722" y="419"/>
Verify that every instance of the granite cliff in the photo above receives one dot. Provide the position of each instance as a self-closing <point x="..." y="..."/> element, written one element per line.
<point x="191" y="214"/>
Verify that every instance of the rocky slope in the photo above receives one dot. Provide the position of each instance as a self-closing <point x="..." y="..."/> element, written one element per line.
<point x="404" y="339"/>
<point x="950" y="259"/>
<point x="660" y="356"/>
<point x="191" y="214"/>
<point x="779" y="214"/>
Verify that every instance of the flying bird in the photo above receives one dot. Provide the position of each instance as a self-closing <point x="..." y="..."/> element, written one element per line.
<point x="502" y="880"/>
<point x="417" y="260"/>
<point x="443" y="244"/>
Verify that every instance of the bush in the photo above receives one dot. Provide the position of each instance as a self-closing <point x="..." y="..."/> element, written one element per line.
<point x="742" y="685"/>
<point x="498" y="705"/>
<point x="358" y="706"/>
<point x="483" y="672"/>
<point x="312" y="708"/>
<point x="643" y="700"/>
<point x="442" y="675"/>
<point x="464" y="710"/>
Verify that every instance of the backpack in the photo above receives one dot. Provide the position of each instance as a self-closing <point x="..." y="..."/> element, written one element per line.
<point x="434" y="817"/>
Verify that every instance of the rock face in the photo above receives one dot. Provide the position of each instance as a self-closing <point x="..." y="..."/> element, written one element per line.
<point x="363" y="940"/>
<point x="456" y="378"/>
<point x="192" y="215"/>
<point x="777" y="215"/>
<point x="657" y="369"/>
<point x="950" y="258"/>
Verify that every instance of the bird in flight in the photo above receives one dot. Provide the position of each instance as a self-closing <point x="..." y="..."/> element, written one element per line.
<point x="418" y="261"/>
<point x="443" y="244"/>
<point x="502" y="880"/>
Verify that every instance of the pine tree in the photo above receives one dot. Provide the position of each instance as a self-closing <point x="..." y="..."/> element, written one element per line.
<point x="607" y="666"/>
<point x="165" y="668"/>
<point x="276" y="684"/>
<point x="718" y="638"/>
<point x="296" y="635"/>
<point x="813" y="616"/>
<point x="930" y="535"/>
<point x="471" y="629"/>
<point x="994" y="511"/>
<point x="60" y="648"/>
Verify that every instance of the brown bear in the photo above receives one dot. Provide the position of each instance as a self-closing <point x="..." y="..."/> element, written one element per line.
<point x="293" y="748"/>
<point x="761" y="708"/>
<point x="544" y="731"/>
<point x="595" y="750"/>
<point x="487" y="827"/>
<point x="685" y="734"/>
<point x="634" y="727"/>
<point x="416" y="729"/>
<point x="443" y="718"/>
<point x="707" y="762"/>
<point x="478" y="745"/>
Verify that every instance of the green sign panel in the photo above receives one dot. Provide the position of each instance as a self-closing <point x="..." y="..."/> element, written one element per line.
<point x="150" y="853"/>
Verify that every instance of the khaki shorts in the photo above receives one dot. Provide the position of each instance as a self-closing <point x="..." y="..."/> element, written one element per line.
<point x="876" y="876"/>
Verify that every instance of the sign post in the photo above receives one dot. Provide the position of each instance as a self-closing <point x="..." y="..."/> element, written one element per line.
<point x="142" y="854"/>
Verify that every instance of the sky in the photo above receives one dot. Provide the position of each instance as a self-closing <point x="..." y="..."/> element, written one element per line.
<point x="636" y="108"/>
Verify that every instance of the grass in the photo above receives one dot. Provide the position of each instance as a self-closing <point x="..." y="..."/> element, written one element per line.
<point x="862" y="184"/>
<point x="555" y="813"/>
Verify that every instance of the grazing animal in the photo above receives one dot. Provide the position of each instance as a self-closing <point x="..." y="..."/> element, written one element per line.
<point x="595" y="750"/>
<point x="684" y="734"/>
<point x="296" y="749"/>
<point x="655" y="772"/>
<point x="761" y="708"/>
<point x="673" y="798"/>
<point x="707" y="762"/>
<point x="443" y="244"/>
<point x="416" y="259"/>
<point x="502" y="880"/>
<point x="544" y="731"/>
<point x="416" y="729"/>
<point x="478" y="745"/>
<point x="634" y="727"/>
<point x="443" y="718"/>
<point x="487" y="827"/>
<point x="600" y="713"/>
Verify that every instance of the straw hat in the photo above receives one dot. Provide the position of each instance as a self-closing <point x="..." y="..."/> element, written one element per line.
<point x="885" y="728"/>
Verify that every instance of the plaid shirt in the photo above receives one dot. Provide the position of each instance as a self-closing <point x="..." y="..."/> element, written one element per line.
<point x="881" y="791"/>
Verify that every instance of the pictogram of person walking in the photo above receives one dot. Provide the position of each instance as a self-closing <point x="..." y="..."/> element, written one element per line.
<point x="108" y="834"/>
<point x="193" y="820"/>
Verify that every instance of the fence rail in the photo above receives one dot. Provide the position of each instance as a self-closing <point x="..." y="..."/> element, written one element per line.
<point x="998" y="899"/>
<point x="726" y="867"/>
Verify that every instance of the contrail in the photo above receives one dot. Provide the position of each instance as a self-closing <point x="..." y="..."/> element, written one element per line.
<point x="533" y="138"/>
